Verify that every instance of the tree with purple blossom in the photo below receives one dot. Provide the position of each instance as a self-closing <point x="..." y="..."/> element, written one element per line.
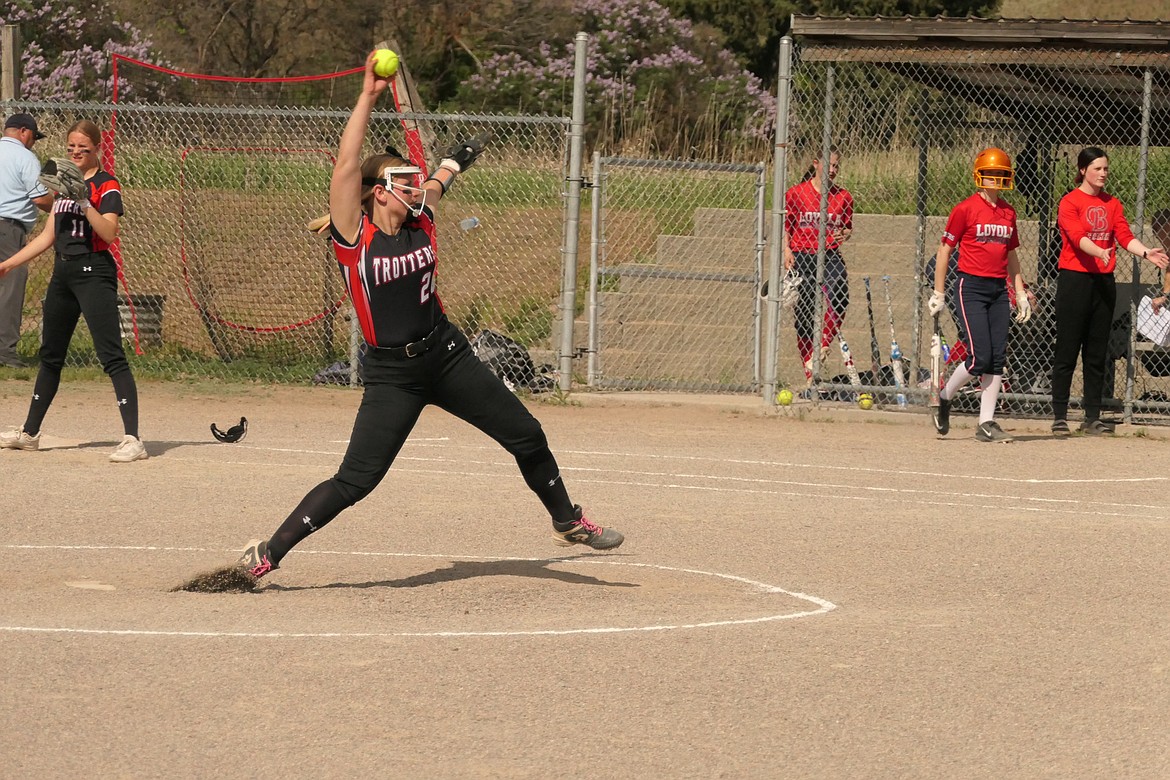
<point x="654" y="84"/>
<point x="67" y="48"/>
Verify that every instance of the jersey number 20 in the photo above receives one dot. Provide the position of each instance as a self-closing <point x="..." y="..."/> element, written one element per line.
<point x="429" y="280"/>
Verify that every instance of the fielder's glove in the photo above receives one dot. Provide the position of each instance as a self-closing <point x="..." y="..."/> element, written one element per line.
<point x="936" y="304"/>
<point x="461" y="156"/>
<point x="63" y="177"/>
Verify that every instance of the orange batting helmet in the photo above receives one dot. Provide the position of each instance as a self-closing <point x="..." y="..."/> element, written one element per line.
<point x="993" y="170"/>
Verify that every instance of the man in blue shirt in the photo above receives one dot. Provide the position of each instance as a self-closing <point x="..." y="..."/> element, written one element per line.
<point x="21" y="194"/>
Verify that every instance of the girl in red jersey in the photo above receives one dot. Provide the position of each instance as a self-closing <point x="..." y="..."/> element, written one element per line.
<point x="802" y="204"/>
<point x="983" y="227"/>
<point x="84" y="282"/>
<point x="382" y="231"/>
<point x="1092" y="224"/>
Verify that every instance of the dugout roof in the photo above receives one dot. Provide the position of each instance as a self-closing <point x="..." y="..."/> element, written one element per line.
<point x="1082" y="81"/>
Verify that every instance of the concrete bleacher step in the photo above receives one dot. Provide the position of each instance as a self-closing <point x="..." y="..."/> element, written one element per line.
<point x="685" y="299"/>
<point x="729" y="255"/>
<point x="719" y="223"/>
<point x="678" y="367"/>
<point x="670" y="336"/>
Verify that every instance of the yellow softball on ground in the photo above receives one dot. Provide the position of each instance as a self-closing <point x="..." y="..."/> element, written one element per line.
<point x="784" y="397"/>
<point x="865" y="401"/>
<point x="385" y="63"/>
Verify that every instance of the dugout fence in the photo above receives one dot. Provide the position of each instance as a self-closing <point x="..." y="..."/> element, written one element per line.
<point x="908" y="103"/>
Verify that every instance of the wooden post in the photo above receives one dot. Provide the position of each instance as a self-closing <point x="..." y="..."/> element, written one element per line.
<point x="9" y="62"/>
<point x="408" y="98"/>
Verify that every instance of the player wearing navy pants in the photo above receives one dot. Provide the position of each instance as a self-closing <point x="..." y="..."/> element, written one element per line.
<point x="983" y="228"/>
<point x="986" y="313"/>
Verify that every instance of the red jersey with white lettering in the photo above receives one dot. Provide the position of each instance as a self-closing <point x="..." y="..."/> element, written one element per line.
<point x="391" y="280"/>
<point x="1099" y="217"/>
<point x="75" y="235"/>
<point x="802" y="221"/>
<point x="984" y="234"/>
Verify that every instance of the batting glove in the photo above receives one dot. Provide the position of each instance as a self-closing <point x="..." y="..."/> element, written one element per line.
<point x="1023" y="309"/>
<point x="936" y="303"/>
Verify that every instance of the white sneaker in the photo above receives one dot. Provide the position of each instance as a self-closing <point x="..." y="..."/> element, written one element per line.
<point x="17" y="439"/>
<point x="129" y="450"/>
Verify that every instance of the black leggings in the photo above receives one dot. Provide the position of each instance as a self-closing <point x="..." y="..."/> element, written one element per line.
<point x="450" y="376"/>
<point x="1084" y="317"/>
<point x="83" y="286"/>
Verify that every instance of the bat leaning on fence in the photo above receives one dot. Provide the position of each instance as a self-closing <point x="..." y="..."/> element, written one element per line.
<point x="875" y="352"/>
<point x="895" y="350"/>
<point x="850" y="368"/>
<point x="936" y="361"/>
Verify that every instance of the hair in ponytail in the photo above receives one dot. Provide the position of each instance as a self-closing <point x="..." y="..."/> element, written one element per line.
<point x="1085" y="159"/>
<point x="812" y="166"/>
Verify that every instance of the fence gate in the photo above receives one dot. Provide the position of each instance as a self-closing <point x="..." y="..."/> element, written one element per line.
<point x="675" y="266"/>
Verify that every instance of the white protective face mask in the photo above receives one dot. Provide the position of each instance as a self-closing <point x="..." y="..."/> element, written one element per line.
<point x="394" y="187"/>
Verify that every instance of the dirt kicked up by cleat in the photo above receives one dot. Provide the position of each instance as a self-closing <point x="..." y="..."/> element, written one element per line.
<point x="589" y="534"/>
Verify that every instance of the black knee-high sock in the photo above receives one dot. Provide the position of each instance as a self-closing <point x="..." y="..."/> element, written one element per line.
<point x="543" y="476"/>
<point x="318" y="507"/>
<point x="126" y="391"/>
<point x="44" y="390"/>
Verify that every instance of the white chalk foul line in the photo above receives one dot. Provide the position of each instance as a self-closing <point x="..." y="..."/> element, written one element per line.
<point x="822" y="606"/>
<point x="744" y="462"/>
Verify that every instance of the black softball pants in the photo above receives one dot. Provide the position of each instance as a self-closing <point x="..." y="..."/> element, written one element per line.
<point x="450" y="376"/>
<point x="83" y="286"/>
<point x="1084" y="317"/>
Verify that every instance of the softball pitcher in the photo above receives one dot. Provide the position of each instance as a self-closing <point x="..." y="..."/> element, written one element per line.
<point x="382" y="228"/>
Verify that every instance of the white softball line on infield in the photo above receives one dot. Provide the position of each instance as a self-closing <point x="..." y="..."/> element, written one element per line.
<point x="822" y="605"/>
<point x="961" y="499"/>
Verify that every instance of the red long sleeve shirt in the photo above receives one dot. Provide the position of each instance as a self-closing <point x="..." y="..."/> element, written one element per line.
<point x="1101" y="218"/>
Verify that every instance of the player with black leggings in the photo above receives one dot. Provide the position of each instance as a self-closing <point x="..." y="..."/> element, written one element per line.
<point x="84" y="282"/>
<point x="382" y="230"/>
<point x="1092" y="226"/>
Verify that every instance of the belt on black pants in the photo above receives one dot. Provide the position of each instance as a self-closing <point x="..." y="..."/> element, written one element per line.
<point x="414" y="348"/>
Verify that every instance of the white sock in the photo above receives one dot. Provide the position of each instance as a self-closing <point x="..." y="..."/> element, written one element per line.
<point x="991" y="385"/>
<point x="959" y="378"/>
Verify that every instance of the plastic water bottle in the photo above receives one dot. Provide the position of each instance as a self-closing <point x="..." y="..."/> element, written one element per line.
<point x="469" y="224"/>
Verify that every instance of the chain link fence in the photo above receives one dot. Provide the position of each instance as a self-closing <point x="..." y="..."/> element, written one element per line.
<point x="908" y="119"/>
<point x="676" y="263"/>
<point x="224" y="281"/>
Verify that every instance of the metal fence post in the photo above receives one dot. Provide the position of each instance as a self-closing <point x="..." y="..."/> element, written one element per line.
<point x="761" y="193"/>
<point x="596" y="228"/>
<point x="572" y="214"/>
<point x="1139" y="218"/>
<point x="779" y="177"/>
<point x="825" y="155"/>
